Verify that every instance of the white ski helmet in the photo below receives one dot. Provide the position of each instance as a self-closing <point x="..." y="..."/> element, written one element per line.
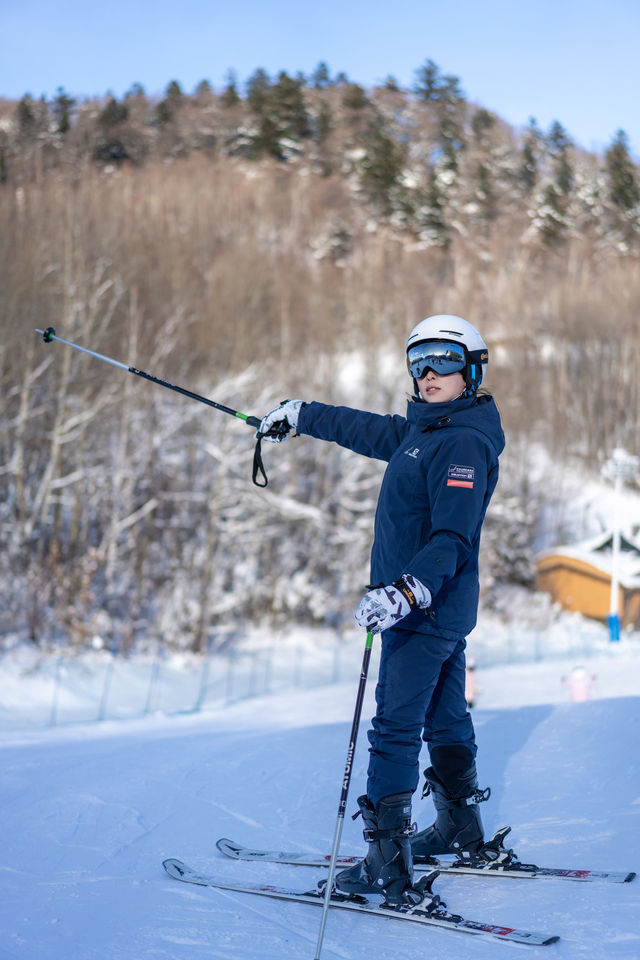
<point x="445" y="328"/>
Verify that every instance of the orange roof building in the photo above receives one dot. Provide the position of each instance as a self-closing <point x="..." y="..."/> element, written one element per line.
<point x="578" y="577"/>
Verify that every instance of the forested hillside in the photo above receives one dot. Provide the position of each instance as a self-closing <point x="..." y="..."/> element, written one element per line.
<point x="275" y="239"/>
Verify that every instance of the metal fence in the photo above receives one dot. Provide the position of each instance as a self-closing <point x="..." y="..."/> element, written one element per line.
<point x="96" y="687"/>
<point x="61" y="689"/>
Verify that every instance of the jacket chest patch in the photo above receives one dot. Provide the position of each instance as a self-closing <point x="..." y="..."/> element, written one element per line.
<point x="460" y="476"/>
<point x="413" y="452"/>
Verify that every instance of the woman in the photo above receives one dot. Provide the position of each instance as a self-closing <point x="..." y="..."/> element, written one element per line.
<point x="442" y="470"/>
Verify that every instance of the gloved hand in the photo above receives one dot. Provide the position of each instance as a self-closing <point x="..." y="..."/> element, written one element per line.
<point x="382" y="607"/>
<point x="277" y="424"/>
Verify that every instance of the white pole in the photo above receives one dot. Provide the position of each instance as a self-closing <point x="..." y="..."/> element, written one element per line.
<point x="622" y="466"/>
<point x="614" y="605"/>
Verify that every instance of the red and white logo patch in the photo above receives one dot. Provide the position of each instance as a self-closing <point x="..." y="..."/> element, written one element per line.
<point x="459" y="476"/>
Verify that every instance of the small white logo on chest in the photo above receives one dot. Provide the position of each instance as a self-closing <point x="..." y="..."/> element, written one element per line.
<point x="413" y="452"/>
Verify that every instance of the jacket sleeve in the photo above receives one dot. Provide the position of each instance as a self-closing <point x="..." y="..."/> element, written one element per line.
<point x="457" y="482"/>
<point x="371" y="434"/>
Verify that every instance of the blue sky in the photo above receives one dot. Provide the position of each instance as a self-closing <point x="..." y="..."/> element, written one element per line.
<point x="575" y="61"/>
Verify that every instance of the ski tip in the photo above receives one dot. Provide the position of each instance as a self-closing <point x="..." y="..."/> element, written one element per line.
<point x="228" y="847"/>
<point x="629" y="877"/>
<point x="554" y="939"/>
<point x="175" y="868"/>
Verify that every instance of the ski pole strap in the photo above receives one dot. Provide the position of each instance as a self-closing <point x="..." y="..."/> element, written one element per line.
<point x="258" y="466"/>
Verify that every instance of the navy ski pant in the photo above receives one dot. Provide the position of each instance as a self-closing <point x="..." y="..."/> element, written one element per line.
<point x="419" y="696"/>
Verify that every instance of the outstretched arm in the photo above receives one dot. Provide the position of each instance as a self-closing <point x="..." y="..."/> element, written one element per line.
<point x="370" y="434"/>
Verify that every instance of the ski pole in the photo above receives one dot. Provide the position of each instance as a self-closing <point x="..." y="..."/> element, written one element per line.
<point x="346" y="780"/>
<point x="50" y="334"/>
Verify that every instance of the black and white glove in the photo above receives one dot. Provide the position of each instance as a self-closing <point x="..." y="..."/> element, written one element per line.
<point x="277" y="424"/>
<point x="382" y="607"/>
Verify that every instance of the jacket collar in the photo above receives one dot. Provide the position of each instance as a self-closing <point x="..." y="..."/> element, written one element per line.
<point x="478" y="413"/>
<point x="434" y="415"/>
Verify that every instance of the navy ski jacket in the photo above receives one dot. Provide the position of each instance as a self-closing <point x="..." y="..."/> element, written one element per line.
<point x="443" y="469"/>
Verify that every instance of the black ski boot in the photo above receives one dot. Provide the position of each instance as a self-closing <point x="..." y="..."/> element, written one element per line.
<point x="387" y="868"/>
<point x="453" y="781"/>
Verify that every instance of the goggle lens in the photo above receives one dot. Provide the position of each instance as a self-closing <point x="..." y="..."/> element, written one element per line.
<point x="442" y="358"/>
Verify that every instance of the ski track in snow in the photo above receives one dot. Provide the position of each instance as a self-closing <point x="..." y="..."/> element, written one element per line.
<point x="89" y="813"/>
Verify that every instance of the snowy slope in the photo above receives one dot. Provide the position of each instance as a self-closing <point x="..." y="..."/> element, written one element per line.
<point x="89" y="812"/>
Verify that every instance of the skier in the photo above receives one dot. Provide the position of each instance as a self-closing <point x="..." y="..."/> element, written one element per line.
<point x="580" y="684"/>
<point x="470" y="684"/>
<point x="442" y="470"/>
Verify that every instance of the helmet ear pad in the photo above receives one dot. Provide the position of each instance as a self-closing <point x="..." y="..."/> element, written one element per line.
<point x="472" y="378"/>
<point x="474" y="370"/>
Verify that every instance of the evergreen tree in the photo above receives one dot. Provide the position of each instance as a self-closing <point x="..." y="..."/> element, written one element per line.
<point x="323" y="123"/>
<point x="167" y="108"/>
<point x="482" y="122"/>
<point x="113" y="113"/>
<point x="267" y="140"/>
<point x="287" y="105"/>
<point x="174" y="93"/>
<point x="230" y="96"/>
<point x="431" y="218"/>
<point x="135" y="91"/>
<point x="485" y="192"/>
<point x="258" y="87"/>
<point x="432" y="87"/>
<point x="321" y="78"/>
<point x="427" y="82"/>
<point x="61" y="108"/>
<point x="354" y="97"/>
<point x="390" y="83"/>
<point x="451" y="140"/>
<point x="530" y="156"/>
<point x="558" y="139"/>
<point x="450" y="91"/>
<point x="281" y="109"/>
<point x="551" y="216"/>
<point x="446" y="96"/>
<point x="559" y="143"/>
<point x="624" y="191"/>
<point x="382" y="167"/>
<point x="164" y="113"/>
<point x="26" y="115"/>
<point x="204" y="91"/>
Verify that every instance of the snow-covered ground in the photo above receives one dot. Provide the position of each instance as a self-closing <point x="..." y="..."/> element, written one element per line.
<point x="89" y="812"/>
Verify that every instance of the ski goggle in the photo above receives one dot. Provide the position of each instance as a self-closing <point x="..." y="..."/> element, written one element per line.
<point x="441" y="357"/>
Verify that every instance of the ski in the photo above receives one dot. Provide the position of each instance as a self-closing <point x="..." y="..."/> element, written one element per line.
<point x="431" y="911"/>
<point x="507" y="865"/>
